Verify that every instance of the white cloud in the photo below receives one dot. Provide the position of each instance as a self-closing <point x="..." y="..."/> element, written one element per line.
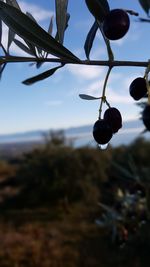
<point x="38" y="12"/>
<point x="86" y="72"/>
<point x="95" y="88"/>
<point x="117" y="98"/>
<point x="113" y="94"/>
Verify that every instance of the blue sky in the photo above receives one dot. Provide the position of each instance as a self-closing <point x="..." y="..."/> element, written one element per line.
<point x="54" y="102"/>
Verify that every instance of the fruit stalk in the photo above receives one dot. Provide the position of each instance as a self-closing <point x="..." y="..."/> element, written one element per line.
<point x="103" y="98"/>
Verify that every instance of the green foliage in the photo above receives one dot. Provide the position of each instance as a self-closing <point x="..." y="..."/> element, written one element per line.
<point x="90" y="39"/>
<point x="98" y="8"/>
<point x="61" y="18"/>
<point x="61" y="193"/>
<point x="29" y="30"/>
<point x="145" y="5"/>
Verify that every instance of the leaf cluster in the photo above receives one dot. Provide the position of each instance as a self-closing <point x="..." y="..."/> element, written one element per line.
<point x="36" y="41"/>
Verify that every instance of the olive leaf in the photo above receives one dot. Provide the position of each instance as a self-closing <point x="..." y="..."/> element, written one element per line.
<point x="50" y="28"/>
<point x="90" y="39"/>
<point x="13" y="3"/>
<point x="31" y="17"/>
<point x="11" y="33"/>
<point x="23" y="47"/>
<point x="67" y="19"/>
<point x="42" y="76"/>
<point x="61" y="17"/>
<point x="31" y="46"/>
<point x="32" y="32"/>
<point x="88" y="97"/>
<point x="98" y="8"/>
<point x="11" y="36"/>
<point x="0" y="31"/>
<point x="145" y="5"/>
<point x="2" y="67"/>
<point x="107" y="43"/>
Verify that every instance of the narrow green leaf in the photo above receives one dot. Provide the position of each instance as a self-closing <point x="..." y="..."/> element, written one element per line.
<point x="88" y="97"/>
<point x="31" y="47"/>
<point x="23" y="47"/>
<point x="41" y="76"/>
<point x="11" y="34"/>
<point x="90" y="39"/>
<point x="144" y="20"/>
<point x="145" y="5"/>
<point x="31" y="17"/>
<point x="67" y="19"/>
<point x="13" y="3"/>
<point x="107" y="43"/>
<point x="50" y="28"/>
<point x="0" y="31"/>
<point x="2" y="67"/>
<point x="61" y="15"/>
<point x="39" y="64"/>
<point x="29" y="30"/>
<point x="98" y="8"/>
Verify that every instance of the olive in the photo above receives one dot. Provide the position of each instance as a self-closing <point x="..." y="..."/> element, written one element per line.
<point x="116" y="24"/>
<point x="138" y="88"/>
<point x="102" y="132"/>
<point x="146" y="117"/>
<point x="113" y="117"/>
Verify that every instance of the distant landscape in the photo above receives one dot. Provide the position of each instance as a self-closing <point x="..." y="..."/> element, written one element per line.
<point x="81" y="135"/>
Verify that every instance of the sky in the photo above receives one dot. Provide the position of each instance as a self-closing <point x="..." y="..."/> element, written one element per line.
<point x="54" y="103"/>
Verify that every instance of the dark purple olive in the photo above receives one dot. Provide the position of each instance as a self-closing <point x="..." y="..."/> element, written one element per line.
<point x="102" y="132"/>
<point x="146" y="117"/>
<point x="138" y="88"/>
<point x="116" y="24"/>
<point x="114" y="118"/>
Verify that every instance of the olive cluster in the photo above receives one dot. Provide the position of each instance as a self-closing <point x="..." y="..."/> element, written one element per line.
<point x="114" y="26"/>
<point x="138" y="89"/>
<point x="104" y="129"/>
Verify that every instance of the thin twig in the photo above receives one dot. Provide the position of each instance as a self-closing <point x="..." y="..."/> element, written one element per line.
<point x="103" y="98"/>
<point x="131" y="12"/>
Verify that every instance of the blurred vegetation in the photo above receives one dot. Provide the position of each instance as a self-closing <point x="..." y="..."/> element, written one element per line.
<point x="69" y="207"/>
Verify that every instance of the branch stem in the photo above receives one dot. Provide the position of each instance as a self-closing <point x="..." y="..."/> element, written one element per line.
<point x="109" y="63"/>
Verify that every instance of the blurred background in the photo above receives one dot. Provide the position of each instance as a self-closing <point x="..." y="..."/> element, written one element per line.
<point x="64" y="202"/>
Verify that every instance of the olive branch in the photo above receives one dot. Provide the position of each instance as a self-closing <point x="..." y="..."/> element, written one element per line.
<point x="45" y="46"/>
